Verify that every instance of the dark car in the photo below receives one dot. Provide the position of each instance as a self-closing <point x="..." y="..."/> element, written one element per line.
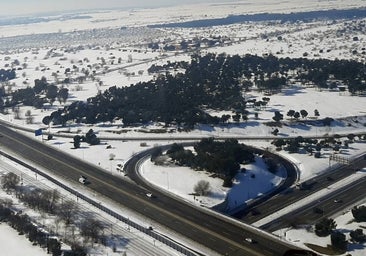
<point x="317" y="210"/>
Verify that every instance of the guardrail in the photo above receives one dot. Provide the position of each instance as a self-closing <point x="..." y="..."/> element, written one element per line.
<point x="189" y="138"/>
<point x="161" y="238"/>
<point x="147" y="153"/>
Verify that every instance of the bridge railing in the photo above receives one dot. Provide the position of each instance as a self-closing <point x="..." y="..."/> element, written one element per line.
<point x="159" y="237"/>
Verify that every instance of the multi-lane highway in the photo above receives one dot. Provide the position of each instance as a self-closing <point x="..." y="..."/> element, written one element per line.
<point x="326" y="206"/>
<point x="292" y="195"/>
<point x="133" y="241"/>
<point x="222" y="235"/>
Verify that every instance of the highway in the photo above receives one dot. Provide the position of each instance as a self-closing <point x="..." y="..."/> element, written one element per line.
<point x="224" y="236"/>
<point x="133" y="241"/>
<point x="333" y="202"/>
<point x="328" y="205"/>
<point x="314" y="185"/>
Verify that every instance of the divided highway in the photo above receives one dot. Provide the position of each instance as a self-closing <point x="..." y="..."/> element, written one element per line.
<point x="222" y="235"/>
<point x="348" y="195"/>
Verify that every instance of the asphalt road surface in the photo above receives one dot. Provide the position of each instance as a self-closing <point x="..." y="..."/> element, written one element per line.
<point x="221" y="235"/>
<point x="313" y="185"/>
<point x="329" y="205"/>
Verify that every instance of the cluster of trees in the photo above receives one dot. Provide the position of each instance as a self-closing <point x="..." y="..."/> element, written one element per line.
<point x="327" y="226"/>
<point x="49" y="201"/>
<point x="42" y="92"/>
<point x="90" y="138"/>
<point x="223" y="158"/>
<point x="24" y="225"/>
<point x="188" y="44"/>
<point x="296" y="114"/>
<point x="154" y="68"/>
<point x="295" y="145"/>
<point x="211" y="81"/>
<point x="40" y="200"/>
<point x="180" y="99"/>
<point x="7" y="74"/>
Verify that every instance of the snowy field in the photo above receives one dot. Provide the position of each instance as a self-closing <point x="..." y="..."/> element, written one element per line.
<point x="125" y="62"/>
<point x="17" y="245"/>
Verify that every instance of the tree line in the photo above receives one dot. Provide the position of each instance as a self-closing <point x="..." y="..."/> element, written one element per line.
<point x="66" y="211"/>
<point x="300" y="144"/>
<point x="211" y="81"/>
<point x="41" y="93"/>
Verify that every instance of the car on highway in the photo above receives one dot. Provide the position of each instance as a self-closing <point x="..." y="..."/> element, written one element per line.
<point x="318" y="210"/>
<point x="150" y="195"/>
<point x="250" y="240"/>
<point x="83" y="180"/>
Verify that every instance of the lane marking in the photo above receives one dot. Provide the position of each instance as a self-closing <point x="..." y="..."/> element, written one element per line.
<point x="203" y="229"/>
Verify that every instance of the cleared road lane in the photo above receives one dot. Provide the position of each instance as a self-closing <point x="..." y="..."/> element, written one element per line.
<point x="223" y="236"/>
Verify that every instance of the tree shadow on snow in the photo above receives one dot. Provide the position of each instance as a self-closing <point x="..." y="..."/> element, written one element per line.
<point x="352" y="247"/>
<point x="292" y="91"/>
<point x="119" y="243"/>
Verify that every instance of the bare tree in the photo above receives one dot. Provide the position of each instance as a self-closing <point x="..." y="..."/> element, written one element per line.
<point x="16" y="112"/>
<point x="57" y="224"/>
<point x="67" y="211"/>
<point x="91" y="229"/>
<point x="28" y="117"/>
<point x="202" y="187"/>
<point x="50" y="199"/>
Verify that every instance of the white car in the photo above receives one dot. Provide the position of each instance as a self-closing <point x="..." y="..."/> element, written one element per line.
<point x="250" y="240"/>
<point x="83" y="180"/>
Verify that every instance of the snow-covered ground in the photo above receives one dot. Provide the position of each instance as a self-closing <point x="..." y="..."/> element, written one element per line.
<point x="345" y="224"/>
<point x="16" y="245"/>
<point x="51" y="62"/>
<point x="118" y="234"/>
<point x="246" y="186"/>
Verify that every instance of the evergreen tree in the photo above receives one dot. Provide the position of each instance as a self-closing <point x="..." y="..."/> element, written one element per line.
<point x="325" y="227"/>
<point x="339" y="241"/>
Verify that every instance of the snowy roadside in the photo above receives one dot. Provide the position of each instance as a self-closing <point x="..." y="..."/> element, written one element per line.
<point x="120" y="235"/>
<point x="311" y="198"/>
<point x="109" y="158"/>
